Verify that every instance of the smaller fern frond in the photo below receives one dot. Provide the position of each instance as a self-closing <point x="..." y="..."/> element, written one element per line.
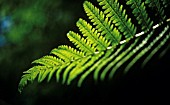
<point x="48" y="61"/>
<point x="92" y="35"/>
<point x="67" y="51"/>
<point x="81" y="43"/>
<point x="115" y="12"/>
<point x="103" y="24"/>
<point x="61" y="55"/>
<point x="139" y="11"/>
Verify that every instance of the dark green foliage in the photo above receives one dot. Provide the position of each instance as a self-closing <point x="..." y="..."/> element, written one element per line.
<point x="139" y="11"/>
<point x="157" y="5"/>
<point x="101" y="49"/>
<point x="165" y="3"/>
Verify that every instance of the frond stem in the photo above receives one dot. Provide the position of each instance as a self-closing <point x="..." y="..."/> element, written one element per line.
<point x="142" y="33"/>
<point x="139" y="34"/>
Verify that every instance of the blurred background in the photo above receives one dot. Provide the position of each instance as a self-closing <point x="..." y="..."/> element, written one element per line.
<point x="30" y="29"/>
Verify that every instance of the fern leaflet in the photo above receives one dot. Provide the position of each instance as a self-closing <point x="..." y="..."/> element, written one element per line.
<point x="116" y="14"/>
<point x="139" y="11"/>
<point x="92" y="35"/>
<point x="102" y="24"/>
<point x="81" y="43"/>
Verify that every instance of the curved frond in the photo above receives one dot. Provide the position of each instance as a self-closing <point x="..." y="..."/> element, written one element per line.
<point x="100" y="51"/>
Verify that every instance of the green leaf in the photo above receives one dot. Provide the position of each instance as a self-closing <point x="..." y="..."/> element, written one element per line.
<point x="81" y="43"/>
<point x="103" y="24"/>
<point x="139" y="11"/>
<point x="92" y="35"/>
<point x="118" y="16"/>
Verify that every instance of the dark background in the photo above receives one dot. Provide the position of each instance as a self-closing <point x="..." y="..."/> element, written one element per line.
<point x="39" y="26"/>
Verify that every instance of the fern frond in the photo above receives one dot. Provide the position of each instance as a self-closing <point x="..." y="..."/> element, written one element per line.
<point x="92" y="35"/>
<point x="115" y="12"/>
<point x="139" y="11"/>
<point x="48" y="61"/>
<point x="103" y="24"/>
<point x="67" y="52"/>
<point x="100" y="50"/>
<point x="81" y="43"/>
